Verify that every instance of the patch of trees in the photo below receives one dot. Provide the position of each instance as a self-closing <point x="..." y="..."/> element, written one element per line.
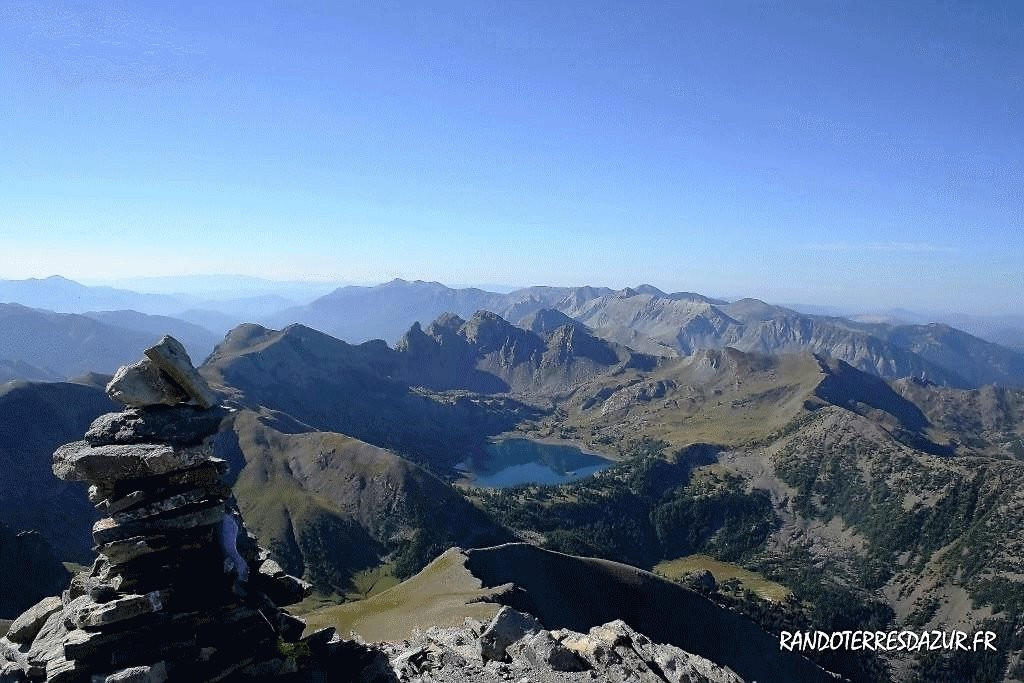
<point x="643" y="510"/>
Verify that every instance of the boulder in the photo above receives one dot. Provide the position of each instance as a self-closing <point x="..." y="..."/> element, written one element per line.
<point x="184" y="425"/>
<point x="542" y="651"/>
<point x="281" y="587"/>
<point x="78" y="461"/>
<point x="318" y="641"/>
<point x="507" y="627"/>
<point x="49" y="643"/>
<point x="172" y="358"/>
<point x="62" y="670"/>
<point x="193" y="497"/>
<point x="144" y="384"/>
<point x="140" y="674"/>
<point x="129" y="549"/>
<point x="12" y="656"/>
<point x="591" y="649"/>
<point x="613" y="652"/>
<point x="613" y="634"/>
<point x="25" y="628"/>
<point x="83" y="645"/>
<point x="415" y="664"/>
<point x="108" y="530"/>
<point x="11" y="672"/>
<point x="92" y="615"/>
<point x="127" y="494"/>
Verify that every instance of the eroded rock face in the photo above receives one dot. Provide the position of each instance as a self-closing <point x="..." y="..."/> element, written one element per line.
<point x="178" y="426"/>
<point x="25" y="628"/>
<point x="171" y="357"/>
<point x="179" y="589"/>
<point x="143" y="384"/>
<point x="116" y="463"/>
<point x="507" y="627"/>
<point x="613" y="652"/>
<point x="165" y="376"/>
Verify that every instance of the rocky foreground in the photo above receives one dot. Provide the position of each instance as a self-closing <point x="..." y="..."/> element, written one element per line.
<point x="516" y="647"/>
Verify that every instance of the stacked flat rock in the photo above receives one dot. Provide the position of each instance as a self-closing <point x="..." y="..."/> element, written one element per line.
<point x="179" y="589"/>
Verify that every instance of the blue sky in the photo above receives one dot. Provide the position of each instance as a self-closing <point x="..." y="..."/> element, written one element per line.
<point x="866" y="154"/>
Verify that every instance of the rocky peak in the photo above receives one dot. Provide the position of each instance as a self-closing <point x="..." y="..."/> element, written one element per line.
<point x="649" y="289"/>
<point x="414" y="340"/>
<point x="490" y="332"/>
<point x="446" y="323"/>
<point x="547" y="320"/>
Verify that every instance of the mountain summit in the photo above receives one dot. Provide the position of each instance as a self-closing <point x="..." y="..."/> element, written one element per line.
<point x="650" y="321"/>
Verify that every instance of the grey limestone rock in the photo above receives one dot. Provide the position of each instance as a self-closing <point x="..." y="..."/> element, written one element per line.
<point x="140" y="674"/>
<point x="542" y="650"/>
<point x="172" y="358"/>
<point x="612" y="652"/>
<point x="92" y="615"/>
<point x="184" y="425"/>
<point x="507" y="627"/>
<point x="109" y="529"/>
<point x="702" y="580"/>
<point x="281" y="587"/>
<point x="25" y="628"/>
<point x="48" y="643"/>
<point x="78" y="461"/>
<point x="144" y="384"/>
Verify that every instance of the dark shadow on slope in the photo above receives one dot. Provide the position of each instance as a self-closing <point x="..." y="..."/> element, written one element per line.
<point x="36" y="418"/>
<point x="359" y="391"/>
<point x="861" y="392"/>
<point x="564" y="591"/>
<point x="329" y="506"/>
<point x="29" y="569"/>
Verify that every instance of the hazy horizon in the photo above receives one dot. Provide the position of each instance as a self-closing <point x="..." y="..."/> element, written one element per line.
<point x="224" y="286"/>
<point x="858" y="157"/>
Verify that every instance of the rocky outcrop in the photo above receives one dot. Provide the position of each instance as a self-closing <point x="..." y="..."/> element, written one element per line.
<point x="179" y="590"/>
<point x="515" y="647"/>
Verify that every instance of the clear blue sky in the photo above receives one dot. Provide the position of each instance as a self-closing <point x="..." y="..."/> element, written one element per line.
<point x="836" y="153"/>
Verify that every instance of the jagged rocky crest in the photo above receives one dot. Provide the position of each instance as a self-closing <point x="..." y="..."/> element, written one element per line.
<point x="516" y="647"/>
<point x="179" y="589"/>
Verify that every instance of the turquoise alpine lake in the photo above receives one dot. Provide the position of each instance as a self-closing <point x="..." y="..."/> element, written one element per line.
<point x="511" y="462"/>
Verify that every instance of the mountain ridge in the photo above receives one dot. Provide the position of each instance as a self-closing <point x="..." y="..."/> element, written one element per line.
<point x="647" y="320"/>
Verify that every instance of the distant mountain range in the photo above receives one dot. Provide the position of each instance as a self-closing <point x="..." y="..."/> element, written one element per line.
<point x="42" y="345"/>
<point x="647" y="320"/>
<point x="216" y="303"/>
<point x="640" y="320"/>
<point x="62" y="295"/>
<point x="20" y="370"/>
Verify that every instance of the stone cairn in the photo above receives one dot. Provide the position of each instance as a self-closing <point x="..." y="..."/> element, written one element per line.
<point x="179" y="589"/>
